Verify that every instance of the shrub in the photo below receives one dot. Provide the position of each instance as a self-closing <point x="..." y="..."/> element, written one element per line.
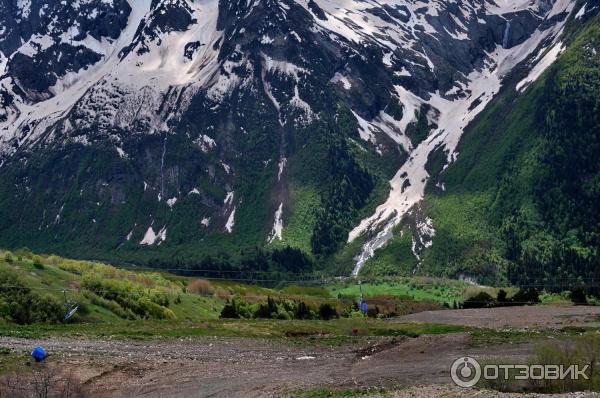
<point x="50" y="380"/>
<point x="267" y="310"/>
<point x="502" y="296"/>
<point x="236" y="308"/>
<point x="8" y="257"/>
<point x="480" y="300"/>
<point x="229" y="311"/>
<point x="303" y="311"/>
<point x="130" y="296"/>
<point x="149" y="309"/>
<point x="37" y="262"/>
<point x="24" y="253"/>
<point x="484" y="300"/>
<point x="201" y="287"/>
<point x="223" y="294"/>
<point x="578" y="296"/>
<point x="110" y="305"/>
<point x="580" y="350"/>
<point x="526" y="297"/>
<point x="21" y="305"/>
<point x="327" y="312"/>
<point x="373" y="312"/>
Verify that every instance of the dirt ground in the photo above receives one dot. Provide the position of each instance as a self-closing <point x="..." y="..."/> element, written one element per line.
<point x="543" y="316"/>
<point x="245" y="367"/>
<point x="226" y="367"/>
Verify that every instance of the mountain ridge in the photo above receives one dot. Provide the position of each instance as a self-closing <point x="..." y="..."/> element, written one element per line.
<point x="204" y="125"/>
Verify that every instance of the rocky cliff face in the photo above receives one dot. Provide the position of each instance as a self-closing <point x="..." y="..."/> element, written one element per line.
<point x="128" y="125"/>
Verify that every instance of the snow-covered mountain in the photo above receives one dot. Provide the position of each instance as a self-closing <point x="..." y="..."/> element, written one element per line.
<point x="129" y="124"/>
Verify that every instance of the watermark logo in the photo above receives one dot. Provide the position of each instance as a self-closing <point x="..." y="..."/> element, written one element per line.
<point x="466" y="372"/>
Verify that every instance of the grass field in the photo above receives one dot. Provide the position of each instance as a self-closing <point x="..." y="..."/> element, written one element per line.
<point x="420" y="289"/>
<point x="118" y="302"/>
<point x="330" y="332"/>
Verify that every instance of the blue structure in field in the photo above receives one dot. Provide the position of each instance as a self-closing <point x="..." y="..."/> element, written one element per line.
<point x="363" y="303"/>
<point x="38" y="354"/>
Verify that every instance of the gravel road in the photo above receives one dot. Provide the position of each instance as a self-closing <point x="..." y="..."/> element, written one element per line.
<point x="541" y="316"/>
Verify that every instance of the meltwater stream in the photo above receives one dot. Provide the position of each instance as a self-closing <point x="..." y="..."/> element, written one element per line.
<point x="506" y="39"/>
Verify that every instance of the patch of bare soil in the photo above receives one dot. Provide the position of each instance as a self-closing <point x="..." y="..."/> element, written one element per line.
<point x="244" y="367"/>
<point x="224" y="367"/>
<point x="532" y="317"/>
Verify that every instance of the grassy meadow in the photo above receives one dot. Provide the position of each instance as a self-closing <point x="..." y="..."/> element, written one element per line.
<point x="137" y="304"/>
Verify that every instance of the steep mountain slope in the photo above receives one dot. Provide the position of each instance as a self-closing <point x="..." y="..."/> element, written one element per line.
<point x="521" y="201"/>
<point x="162" y="128"/>
<point x="409" y="183"/>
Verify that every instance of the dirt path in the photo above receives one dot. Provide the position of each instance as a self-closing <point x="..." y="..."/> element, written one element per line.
<point x="543" y="316"/>
<point x="256" y="368"/>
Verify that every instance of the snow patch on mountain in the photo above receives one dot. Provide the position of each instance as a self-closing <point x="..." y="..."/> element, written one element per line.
<point x="124" y="86"/>
<point x="205" y="143"/>
<point x="229" y="198"/>
<point x="581" y="12"/>
<point x="151" y="238"/>
<point x="454" y="116"/>
<point x="171" y="202"/>
<point x="230" y="221"/>
<point x="339" y="78"/>
<point x="283" y="67"/>
<point x="24" y="7"/>
<point x="277" y="231"/>
<point x="39" y="116"/>
<point x="365" y="129"/>
<point x="551" y="55"/>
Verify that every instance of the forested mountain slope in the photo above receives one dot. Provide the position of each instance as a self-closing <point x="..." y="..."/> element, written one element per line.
<point x="522" y="200"/>
<point x="294" y="134"/>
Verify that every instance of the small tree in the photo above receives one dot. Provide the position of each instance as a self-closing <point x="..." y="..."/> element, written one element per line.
<point x="37" y="262"/>
<point x="578" y="296"/>
<point x="373" y="312"/>
<point x="502" y="298"/>
<point x="230" y="310"/>
<point x="8" y="257"/>
<point x="327" y="312"/>
<point x="527" y="297"/>
<point x="302" y="311"/>
<point x="480" y="300"/>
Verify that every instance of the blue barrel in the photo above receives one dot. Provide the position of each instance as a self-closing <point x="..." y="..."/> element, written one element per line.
<point x="38" y="354"/>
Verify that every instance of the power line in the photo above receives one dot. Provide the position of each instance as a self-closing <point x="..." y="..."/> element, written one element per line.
<point x="373" y="300"/>
<point x="305" y="275"/>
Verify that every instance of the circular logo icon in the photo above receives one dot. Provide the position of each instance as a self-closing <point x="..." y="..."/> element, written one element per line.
<point x="465" y="372"/>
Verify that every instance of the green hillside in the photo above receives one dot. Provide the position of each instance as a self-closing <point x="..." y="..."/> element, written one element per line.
<point x="32" y="290"/>
<point x="522" y="200"/>
<point x="35" y="288"/>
